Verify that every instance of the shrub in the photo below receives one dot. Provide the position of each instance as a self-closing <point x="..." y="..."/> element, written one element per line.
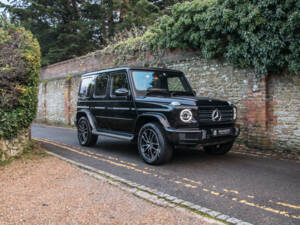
<point x="19" y="72"/>
<point x="262" y="34"/>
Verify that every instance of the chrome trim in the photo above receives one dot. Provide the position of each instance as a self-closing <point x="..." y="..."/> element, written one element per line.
<point x="153" y="110"/>
<point x="83" y="107"/>
<point x="99" y="107"/>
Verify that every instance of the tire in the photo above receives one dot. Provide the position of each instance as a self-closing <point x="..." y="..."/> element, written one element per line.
<point x="84" y="133"/>
<point x="152" y="144"/>
<point x="218" y="149"/>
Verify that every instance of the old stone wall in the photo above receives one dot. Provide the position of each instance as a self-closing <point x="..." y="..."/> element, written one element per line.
<point x="268" y="106"/>
<point x="15" y="146"/>
<point x="284" y="112"/>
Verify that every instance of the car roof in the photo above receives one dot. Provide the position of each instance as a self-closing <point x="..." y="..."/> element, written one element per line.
<point x="130" y="68"/>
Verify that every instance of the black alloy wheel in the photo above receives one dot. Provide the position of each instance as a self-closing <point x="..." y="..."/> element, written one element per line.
<point x="84" y="133"/>
<point x="152" y="144"/>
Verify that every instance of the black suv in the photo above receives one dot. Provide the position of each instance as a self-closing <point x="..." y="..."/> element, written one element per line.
<point x="155" y="108"/>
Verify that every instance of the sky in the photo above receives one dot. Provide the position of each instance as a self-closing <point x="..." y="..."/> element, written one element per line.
<point x="3" y="1"/>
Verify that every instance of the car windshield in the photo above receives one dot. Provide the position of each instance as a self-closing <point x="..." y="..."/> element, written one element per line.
<point x="160" y="83"/>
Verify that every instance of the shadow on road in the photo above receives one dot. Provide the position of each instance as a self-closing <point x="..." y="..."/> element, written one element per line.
<point x="182" y="155"/>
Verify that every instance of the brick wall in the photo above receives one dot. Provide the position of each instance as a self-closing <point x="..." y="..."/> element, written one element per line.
<point x="268" y="106"/>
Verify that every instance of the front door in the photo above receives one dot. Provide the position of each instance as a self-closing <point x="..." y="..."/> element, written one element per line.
<point x="121" y="111"/>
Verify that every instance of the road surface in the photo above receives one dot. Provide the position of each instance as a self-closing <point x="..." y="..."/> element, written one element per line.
<point x="256" y="190"/>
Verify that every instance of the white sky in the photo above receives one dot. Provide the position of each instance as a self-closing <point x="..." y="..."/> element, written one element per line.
<point x="3" y="1"/>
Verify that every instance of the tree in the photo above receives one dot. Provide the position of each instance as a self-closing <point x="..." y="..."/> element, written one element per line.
<point x="19" y="73"/>
<point x="69" y="28"/>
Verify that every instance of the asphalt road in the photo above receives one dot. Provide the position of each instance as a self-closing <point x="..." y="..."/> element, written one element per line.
<point x="256" y="190"/>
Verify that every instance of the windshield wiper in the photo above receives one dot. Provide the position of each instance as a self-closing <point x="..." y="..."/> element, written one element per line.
<point x="157" y="91"/>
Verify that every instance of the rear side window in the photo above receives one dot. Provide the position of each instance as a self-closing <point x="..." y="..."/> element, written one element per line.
<point x="85" y="87"/>
<point x="101" y="85"/>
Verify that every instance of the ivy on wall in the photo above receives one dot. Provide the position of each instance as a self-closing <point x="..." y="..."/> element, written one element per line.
<point x="19" y="73"/>
<point x="261" y="34"/>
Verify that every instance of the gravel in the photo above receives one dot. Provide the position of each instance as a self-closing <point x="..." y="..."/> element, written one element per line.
<point x="51" y="191"/>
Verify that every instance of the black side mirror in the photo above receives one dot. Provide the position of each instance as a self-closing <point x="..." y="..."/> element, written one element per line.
<point x="122" y="92"/>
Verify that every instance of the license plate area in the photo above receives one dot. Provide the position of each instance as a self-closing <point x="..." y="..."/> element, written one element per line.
<point x="221" y="132"/>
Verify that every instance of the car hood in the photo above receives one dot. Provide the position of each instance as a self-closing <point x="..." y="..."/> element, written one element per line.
<point x="187" y="100"/>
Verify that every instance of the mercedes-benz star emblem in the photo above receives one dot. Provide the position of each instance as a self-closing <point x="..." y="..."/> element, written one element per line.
<point x="216" y="115"/>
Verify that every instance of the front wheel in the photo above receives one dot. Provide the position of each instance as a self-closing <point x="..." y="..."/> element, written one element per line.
<point x="152" y="144"/>
<point x="84" y="133"/>
<point x="218" y="149"/>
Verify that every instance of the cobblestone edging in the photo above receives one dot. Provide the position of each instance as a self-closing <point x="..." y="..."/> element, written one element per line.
<point x="15" y="146"/>
<point x="153" y="195"/>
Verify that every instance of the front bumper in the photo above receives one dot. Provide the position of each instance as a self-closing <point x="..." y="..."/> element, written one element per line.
<point x="203" y="136"/>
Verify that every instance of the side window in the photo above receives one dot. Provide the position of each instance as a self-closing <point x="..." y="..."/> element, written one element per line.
<point x="85" y="87"/>
<point x="101" y="84"/>
<point x="175" y="84"/>
<point x="119" y="80"/>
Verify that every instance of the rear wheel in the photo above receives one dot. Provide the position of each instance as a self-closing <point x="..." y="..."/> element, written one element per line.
<point x="152" y="144"/>
<point x="84" y="133"/>
<point x="218" y="149"/>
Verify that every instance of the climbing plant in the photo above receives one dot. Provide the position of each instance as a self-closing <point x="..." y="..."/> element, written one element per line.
<point x="262" y="34"/>
<point x="19" y="73"/>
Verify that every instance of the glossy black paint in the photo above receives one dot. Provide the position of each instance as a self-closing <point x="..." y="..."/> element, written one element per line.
<point x="122" y="115"/>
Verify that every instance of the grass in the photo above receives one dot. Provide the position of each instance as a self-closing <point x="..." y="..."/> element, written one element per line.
<point x="32" y="152"/>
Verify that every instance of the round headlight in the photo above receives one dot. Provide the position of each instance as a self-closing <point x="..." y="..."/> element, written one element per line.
<point x="234" y="113"/>
<point x="186" y="115"/>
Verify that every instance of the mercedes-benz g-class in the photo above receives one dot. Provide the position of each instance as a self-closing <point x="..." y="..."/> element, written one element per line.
<point x="155" y="108"/>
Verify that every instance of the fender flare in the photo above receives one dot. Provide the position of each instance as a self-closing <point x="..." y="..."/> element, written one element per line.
<point x="158" y="116"/>
<point x="89" y="115"/>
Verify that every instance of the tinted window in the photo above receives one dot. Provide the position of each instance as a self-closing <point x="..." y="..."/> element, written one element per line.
<point x="173" y="82"/>
<point x="101" y="84"/>
<point x="119" y="80"/>
<point x="85" y="86"/>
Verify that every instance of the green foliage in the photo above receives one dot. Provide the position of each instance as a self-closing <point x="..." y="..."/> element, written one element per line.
<point x="19" y="72"/>
<point x="66" y="29"/>
<point x="262" y="34"/>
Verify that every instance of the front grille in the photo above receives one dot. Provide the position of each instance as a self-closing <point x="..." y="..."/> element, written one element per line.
<point x="205" y="113"/>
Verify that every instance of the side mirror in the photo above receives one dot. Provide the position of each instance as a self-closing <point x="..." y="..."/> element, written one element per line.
<point x="194" y="92"/>
<point x="122" y="92"/>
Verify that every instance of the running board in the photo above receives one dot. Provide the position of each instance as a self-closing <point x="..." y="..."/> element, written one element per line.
<point x="128" y="137"/>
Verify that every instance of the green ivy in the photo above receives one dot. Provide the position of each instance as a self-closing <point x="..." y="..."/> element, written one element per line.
<point x="19" y="74"/>
<point x="262" y="34"/>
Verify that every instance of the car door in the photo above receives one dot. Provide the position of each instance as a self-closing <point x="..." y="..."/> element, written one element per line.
<point x="121" y="110"/>
<point x="100" y="99"/>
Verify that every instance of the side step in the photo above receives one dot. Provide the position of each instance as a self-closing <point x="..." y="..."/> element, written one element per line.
<point x="118" y="135"/>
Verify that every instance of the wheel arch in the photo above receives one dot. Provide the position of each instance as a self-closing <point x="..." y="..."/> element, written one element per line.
<point x="89" y="116"/>
<point x="151" y="117"/>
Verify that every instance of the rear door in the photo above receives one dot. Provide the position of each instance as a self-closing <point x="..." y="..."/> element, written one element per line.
<point x="100" y="99"/>
<point x="84" y="93"/>
<point x="121" y="110"/>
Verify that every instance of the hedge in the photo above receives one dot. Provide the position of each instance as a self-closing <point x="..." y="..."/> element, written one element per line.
<point x="261" y="34"/>
<point x="19" y="74"/>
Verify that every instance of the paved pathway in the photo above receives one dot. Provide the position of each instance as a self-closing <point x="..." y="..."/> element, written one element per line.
<point x="259" y="191"/>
